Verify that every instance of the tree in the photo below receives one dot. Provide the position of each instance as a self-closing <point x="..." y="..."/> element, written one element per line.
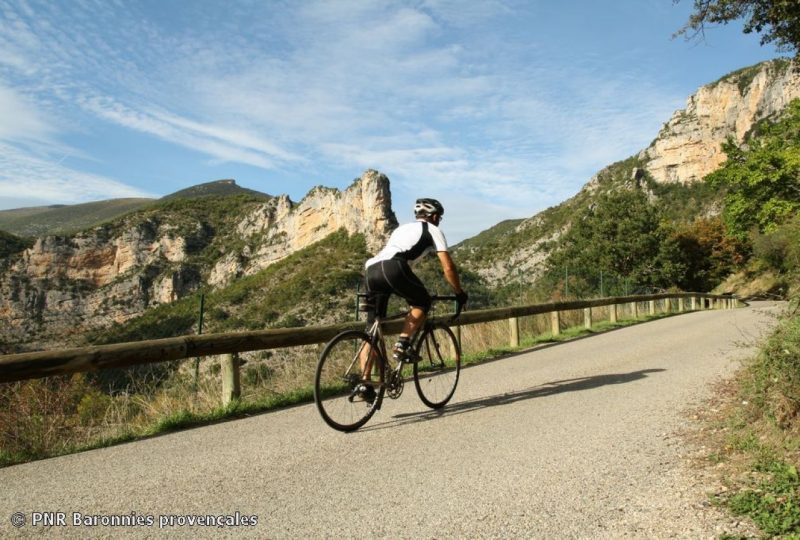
<point x="619" y="236"/>
<point x="707" y="253"/>
<point x="777" y="21"/>
<point x="762" y="177"/>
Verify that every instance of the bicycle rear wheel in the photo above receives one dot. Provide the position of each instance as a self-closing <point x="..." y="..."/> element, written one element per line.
<point x="338" y="376"/>
<point x="436" y="372"/>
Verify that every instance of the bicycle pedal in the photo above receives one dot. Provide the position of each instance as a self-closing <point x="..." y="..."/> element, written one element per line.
<point x="410" y="358"/>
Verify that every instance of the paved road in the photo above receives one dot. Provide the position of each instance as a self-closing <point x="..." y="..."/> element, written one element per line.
<point x="571" y="440"/>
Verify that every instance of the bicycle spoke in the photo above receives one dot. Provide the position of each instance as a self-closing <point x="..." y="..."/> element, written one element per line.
<point x="338" y="390"/>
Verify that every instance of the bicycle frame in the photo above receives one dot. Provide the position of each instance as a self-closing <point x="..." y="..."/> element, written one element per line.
<point x="378" y="344"/>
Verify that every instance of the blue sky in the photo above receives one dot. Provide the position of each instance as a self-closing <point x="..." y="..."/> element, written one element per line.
<point x="499" y="108"/>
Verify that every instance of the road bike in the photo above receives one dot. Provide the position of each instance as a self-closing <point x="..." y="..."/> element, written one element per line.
<point x="355" y="359"/>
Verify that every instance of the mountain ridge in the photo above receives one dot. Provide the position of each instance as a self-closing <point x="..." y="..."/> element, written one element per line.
<point x="65" y="219"/>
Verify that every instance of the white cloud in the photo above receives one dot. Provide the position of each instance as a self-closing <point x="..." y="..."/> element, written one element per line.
<point x="20" y="119"/>
<point x="25" y="177"/>
<point x="221" y="143"/>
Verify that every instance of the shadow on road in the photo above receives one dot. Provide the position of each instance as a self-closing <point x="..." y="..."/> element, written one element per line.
<point x="544" y="390"/>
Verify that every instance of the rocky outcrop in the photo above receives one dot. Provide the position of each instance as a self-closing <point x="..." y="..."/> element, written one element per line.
<point x="63" y="286"/>
<point x="283" y="227"/>
<point x="689" y="145"/>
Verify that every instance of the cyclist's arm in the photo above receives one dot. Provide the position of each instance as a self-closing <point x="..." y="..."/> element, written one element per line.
<point x="450" y="272"/>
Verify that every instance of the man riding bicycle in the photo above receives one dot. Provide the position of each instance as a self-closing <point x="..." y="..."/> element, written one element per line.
<point x="389" y="272"/>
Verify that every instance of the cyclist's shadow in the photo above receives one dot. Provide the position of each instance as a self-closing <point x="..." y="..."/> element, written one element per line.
<point x="544" y="390"/>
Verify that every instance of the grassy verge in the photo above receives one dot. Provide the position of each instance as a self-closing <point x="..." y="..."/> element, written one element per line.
<point x="66" y="415"/>
<point x="567" y="334"/>
<point x="755" y="436"/>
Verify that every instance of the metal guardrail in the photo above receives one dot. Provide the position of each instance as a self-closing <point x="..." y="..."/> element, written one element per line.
<point x="34" y="365"/>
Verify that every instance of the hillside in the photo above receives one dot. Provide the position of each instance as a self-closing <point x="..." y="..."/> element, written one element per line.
<point x="66" y="219"/>
<point x="292" y="292"/>
<point x="218" y="188"/>
<point x="670" y="172"/>
<point x="10" y="245"/>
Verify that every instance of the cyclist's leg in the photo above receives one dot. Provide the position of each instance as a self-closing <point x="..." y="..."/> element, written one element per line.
<point x="402" y="281"/>
<point x="377" y="302"/>
<point x="407" y="285"/>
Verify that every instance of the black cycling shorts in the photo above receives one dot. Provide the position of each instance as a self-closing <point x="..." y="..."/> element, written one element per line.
<point x="393" y="276"/>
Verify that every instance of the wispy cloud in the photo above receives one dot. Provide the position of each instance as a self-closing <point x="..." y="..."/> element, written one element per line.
<point x="20" y="119"/>
<point x="226" y="144"/>
<point x="41" y="181"/>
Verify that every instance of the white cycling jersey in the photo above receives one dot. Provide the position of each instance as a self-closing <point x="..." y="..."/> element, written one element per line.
<point x="411" y="241"/>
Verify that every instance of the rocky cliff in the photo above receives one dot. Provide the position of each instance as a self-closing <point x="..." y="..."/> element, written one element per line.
<point x="52" y="293"/>
<point x="284" y="227"/>
<point x="689" y="145"/>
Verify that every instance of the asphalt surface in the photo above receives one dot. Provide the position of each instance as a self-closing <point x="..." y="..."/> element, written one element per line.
<point x="575" y="440"/>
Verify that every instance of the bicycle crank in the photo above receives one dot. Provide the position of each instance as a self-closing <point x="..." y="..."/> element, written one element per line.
<point x="394" y="386"/>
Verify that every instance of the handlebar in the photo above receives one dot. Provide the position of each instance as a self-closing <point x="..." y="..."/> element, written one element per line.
<point x="452" y="298"/>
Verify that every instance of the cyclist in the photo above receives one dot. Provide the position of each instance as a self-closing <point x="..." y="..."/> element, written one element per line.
<point x="389" y="272"/>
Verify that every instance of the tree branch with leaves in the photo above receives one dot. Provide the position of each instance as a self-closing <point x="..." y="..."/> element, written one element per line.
<point x="777" y="21"/>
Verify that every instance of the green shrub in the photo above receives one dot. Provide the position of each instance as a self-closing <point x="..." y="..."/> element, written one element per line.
<point x="780" y="249"/>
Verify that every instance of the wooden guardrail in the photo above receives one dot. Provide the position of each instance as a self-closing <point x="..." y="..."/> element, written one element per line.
<point x="34" y="365"/>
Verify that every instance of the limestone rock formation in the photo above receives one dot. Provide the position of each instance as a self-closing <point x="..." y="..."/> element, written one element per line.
<point x="689" y="145"/>
<point x="285" y="227"/>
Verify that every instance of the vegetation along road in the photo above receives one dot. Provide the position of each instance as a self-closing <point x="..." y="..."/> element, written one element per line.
<point x="578" y="439"/>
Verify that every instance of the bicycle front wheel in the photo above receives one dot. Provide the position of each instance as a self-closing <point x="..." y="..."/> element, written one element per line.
<point x="338" y="378"/>
<point x="436" y="372"/>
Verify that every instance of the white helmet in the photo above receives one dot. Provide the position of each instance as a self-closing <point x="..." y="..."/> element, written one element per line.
<point x="426" y="207"/>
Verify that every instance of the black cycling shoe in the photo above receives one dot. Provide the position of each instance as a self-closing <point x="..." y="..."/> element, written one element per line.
<point x="367" y="393"/>
<point x="402" y="352"/>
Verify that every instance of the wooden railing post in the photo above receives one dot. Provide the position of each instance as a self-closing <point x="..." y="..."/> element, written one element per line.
<point x="231" y="389"/>
<point x="652" y="307"/>
<point x="587" y="318"/>
<point x="681" y="305"/>
<point x="612" y="313"/>
<point x="635" y="310"/>
<point x="514" y="327"/>
<point x="667" y="305"/>
<point x="693" y="303"/>
<point x="555" y="323"/>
